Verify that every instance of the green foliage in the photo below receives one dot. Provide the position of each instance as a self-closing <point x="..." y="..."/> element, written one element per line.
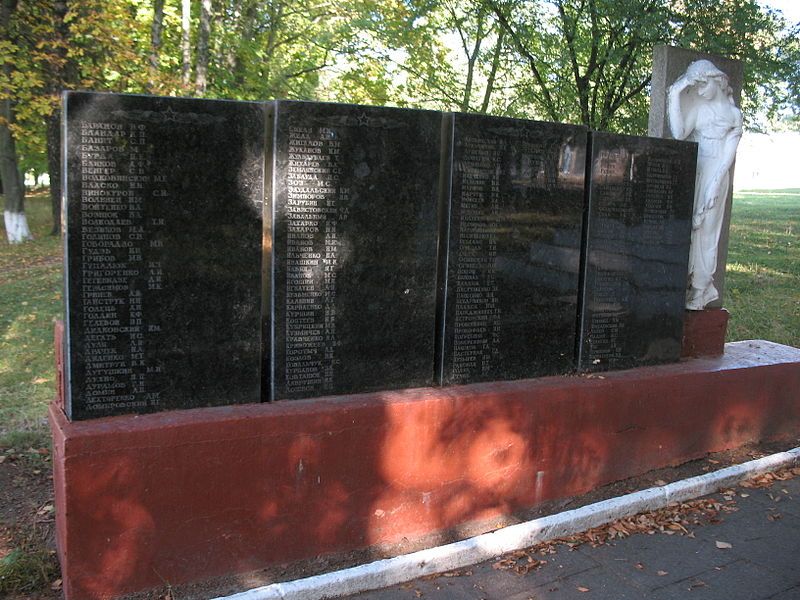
<point x="584" y="61"/>
<point x="589" y="61"/>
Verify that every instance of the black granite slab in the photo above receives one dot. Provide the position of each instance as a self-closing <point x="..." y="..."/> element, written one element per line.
<point x="640" y="193"/>
<point x="513" y="256"/>
<point x="353" y="252"/>
<point x="162" y="219"/>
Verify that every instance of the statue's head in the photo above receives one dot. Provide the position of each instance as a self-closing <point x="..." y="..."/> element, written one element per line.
<point x="710" y="80"/>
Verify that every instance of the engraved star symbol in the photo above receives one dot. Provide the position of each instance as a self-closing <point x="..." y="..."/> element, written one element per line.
<point x="363" y="119"/>
<point x="169" y="114"/>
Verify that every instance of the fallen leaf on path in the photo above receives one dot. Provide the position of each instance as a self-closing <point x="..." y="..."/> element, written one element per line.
<point x="723" y="545"/>
<point x="56" y="585"/>
<point x="662" y="573"/>
<point x="582" y="588"/>
<point x="639" y="566"/>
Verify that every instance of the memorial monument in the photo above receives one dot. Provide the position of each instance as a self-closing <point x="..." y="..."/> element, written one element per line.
<point x="347" y="259"/>
<point x="369" y="214"/>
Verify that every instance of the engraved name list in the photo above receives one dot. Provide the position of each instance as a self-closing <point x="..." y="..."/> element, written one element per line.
<point x="314" y="215"/>
<point x="120" y="270"/>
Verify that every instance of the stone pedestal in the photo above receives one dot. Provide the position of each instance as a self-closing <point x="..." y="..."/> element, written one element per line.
<point x="704" y="332"/>
<point x="190" y="495"/>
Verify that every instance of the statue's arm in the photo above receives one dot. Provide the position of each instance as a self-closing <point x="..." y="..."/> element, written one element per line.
<point x="730" y="143"/>
<point x="680" y="124"/>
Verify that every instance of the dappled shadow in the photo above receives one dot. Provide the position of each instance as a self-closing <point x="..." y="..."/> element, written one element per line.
<point x="191" y="495"/>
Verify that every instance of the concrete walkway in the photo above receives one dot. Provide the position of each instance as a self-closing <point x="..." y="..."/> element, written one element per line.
<point x="762" y="562"/>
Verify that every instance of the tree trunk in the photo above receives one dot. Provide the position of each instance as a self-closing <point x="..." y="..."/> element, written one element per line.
<point x="64" y="75"/>
<point x="275" y="23"/>
<point x="13" y="184"/>
<point x="493" y="73"/>
<point x="203" y="35"/>
<point x="54" y="168"/>
<point x="186" y="50"/>
<point x="155" y="41"/>
<point x="472" y="59"/>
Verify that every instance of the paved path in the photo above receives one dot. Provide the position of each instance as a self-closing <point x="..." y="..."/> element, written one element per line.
<point x="762" y="563"/>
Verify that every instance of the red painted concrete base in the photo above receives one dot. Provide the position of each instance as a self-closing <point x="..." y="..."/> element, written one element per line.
<point x="704" y="332"/>
<point x="188" y="495"/>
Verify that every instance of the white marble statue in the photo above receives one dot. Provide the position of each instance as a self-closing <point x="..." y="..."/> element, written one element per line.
<point x="701" y="108"/>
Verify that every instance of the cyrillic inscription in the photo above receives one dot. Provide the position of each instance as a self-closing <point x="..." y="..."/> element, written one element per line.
<point x="636" y="251"/>
<point x="115" y="175"/>
<point x="314" y="216"/>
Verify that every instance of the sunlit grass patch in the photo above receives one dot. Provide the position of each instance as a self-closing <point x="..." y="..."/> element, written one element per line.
<point x="763" y="274"/>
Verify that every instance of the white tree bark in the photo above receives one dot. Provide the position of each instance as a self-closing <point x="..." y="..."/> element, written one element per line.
<point x="186" y="49"/>
<point x="17" y="229"/>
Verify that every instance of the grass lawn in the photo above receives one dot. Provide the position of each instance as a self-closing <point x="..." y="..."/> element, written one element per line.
<point x="763" y="296"/>
<point x="30" y="300"/>
<point x="763" y="276"/>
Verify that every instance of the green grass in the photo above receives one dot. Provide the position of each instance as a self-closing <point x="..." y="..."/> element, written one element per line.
<point x="762" y="294"/>
<point x="763" y="275"/>
<point x="30" y="300"/>
<point x="27" y="570"/>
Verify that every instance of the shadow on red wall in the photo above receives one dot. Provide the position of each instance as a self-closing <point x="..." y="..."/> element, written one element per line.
<point x="189" y="495"/>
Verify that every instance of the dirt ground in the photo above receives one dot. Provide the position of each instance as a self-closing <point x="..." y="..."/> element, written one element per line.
<point x="27" y="523"/>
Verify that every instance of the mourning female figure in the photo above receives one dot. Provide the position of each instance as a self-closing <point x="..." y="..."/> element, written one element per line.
<point x="701" y="109"/>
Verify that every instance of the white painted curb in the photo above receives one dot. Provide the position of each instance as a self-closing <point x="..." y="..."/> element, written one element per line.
<point x="392" y="571"/>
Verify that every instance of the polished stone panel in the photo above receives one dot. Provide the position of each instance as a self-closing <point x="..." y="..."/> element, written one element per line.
<point x="641" y="192"/>
<point x="162" y="224"/>
<point x="510" y="270"/>
<point x="352" y="252"/>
